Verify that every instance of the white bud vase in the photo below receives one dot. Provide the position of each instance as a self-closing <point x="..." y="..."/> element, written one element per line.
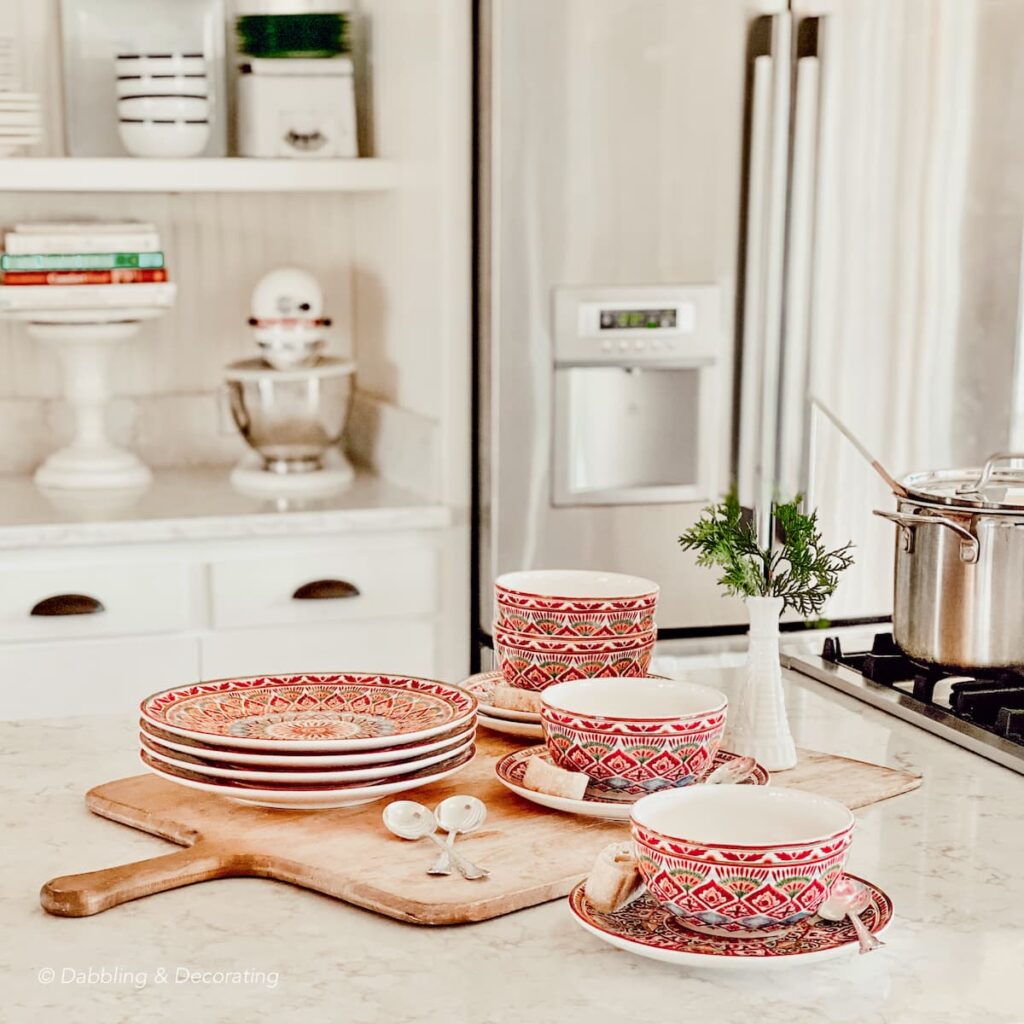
<point x="762" y="728"/>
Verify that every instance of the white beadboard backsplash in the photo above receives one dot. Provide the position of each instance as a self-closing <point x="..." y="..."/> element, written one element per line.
<point x="168" y="380"/>
<point x="218" y="246"/>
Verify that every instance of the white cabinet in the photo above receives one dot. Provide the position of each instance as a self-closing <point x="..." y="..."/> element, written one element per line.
<point x="182" y="610"/>
<point x="336" y="580"/>
<point x="91" y="677"/>
<point x="124" y="598"/>
<point x="400" y="645"/>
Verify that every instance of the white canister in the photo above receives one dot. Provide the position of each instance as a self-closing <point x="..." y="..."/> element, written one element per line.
<point x="297" y="108"/>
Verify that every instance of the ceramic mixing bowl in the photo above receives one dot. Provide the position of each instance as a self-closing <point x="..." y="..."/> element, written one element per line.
<point x="536" y="662"/>
<point x="636" y="735"/>
<point x="575" y="603"/>
<point x="740" y="859"/>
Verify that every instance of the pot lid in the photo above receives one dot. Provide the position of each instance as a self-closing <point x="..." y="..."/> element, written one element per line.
<point x="997" y="486"/>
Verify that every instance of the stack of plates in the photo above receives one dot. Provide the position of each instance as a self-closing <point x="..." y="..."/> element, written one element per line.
<point x="308" y="741"/>
<point x="512" y="723"/>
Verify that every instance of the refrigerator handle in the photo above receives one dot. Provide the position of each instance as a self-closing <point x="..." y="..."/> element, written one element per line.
<point x="752" y="342"/>
<point x="795" y="411"/>
<point x="764" y="275"/>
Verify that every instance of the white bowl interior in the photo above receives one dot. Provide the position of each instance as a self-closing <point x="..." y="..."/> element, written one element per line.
<point x="633" y="698"/>
<point x="757" y="816"/>
<point x="580" y="583"/>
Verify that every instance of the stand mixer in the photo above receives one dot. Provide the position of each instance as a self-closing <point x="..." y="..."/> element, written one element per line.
<point x="291" y="403"/>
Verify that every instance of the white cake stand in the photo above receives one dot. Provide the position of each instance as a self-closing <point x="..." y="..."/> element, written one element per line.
<point x="84" y="342"/>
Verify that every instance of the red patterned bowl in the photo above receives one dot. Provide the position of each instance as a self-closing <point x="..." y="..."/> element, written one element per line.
<point x="739" y="859"/>
<point x="534" y="663"/>
<point x="636" y="735"/>
<point x="574" y="603"/>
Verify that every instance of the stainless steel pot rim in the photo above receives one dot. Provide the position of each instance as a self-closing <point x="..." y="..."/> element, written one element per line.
<point x="978" y="489"/>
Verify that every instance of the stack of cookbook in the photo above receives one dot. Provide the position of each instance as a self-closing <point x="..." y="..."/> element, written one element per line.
<point x="83" y="265"/>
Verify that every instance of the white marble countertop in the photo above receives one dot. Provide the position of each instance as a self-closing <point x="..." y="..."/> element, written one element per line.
<point x="200" y="504"/>
<point x="950" y="854"/>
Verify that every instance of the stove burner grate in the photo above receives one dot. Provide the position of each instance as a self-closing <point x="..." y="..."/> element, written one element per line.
<point x="993" y="702"/>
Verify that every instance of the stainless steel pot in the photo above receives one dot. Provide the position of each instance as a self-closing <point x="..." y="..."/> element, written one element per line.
<point x="959" y="594"/>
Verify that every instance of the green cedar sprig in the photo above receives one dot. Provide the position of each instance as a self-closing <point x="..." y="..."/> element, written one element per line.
<point x="800" y="570"/>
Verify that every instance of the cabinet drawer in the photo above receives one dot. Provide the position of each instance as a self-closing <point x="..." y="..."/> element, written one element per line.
<point x="374" y="647"/>
<point x="387" y="578"/>
<point x="91" y="677"/>
<point x="125" y="598"/>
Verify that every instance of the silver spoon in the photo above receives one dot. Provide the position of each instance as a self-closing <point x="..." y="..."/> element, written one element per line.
<point x="732" y="772"/>
<point x="458" y="815"/>
<point x="850" y="899"/>
<point x="410" y="820"/>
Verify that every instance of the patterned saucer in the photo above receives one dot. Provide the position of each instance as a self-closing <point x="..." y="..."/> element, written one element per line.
<point x="647" y="929"/>
<point x="600" y="800"/>
<point x="482" y="687"/>
<point x="325" y="712"/>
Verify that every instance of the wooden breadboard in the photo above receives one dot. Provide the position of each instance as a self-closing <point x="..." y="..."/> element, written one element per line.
<point x="533" y="854"/>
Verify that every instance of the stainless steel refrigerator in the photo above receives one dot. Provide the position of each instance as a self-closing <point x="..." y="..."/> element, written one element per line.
<point x="693" y="214"/>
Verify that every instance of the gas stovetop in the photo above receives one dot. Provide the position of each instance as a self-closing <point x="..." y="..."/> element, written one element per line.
<point x="982" y="713"/>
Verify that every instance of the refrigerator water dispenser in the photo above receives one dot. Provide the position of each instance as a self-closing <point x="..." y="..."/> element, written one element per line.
<point x="636" y="389"/>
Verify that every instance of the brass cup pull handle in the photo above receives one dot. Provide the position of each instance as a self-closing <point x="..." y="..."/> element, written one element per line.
<point x="68" y="604"/>
<point x="906" y="521"/>
<point x="325" y="590"/>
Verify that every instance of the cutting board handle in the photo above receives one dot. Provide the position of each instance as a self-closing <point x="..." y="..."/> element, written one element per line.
<point x="94" y="891"/>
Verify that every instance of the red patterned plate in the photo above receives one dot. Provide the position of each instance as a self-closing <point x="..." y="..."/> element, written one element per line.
<point x="308" y="797"/>
<point x="305" y="758"/>
<point x="600" y="799"/>
<point x="647" y="929"/>
<point x="217" y="770"/>
<point x="333" y="712"/>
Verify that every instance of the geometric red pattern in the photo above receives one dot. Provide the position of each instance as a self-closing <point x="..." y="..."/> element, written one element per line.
<point x="543" y="666"/>
<point x="740" y="889"/>
<point x="589" y="626"/>
<point x="635" y="761"/>
<point x="310" y="707"/>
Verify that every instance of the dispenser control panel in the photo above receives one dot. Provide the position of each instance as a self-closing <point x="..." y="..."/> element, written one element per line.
<point x="645" y="323"/>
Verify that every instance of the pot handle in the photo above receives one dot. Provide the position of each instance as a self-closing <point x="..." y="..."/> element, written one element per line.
<point x="987" y="472"/>
<point x="906" y="521"/>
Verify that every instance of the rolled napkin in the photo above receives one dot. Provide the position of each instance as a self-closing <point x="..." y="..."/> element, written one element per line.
<point x="614" y="880"/>
<point x="543" y="777"/>
<point x="511" y="699"/>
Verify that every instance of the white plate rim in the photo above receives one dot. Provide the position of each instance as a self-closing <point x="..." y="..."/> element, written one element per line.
<point x="368" y="774"/>
<point x="306" y="799"/>
<point x="510" y="728"/>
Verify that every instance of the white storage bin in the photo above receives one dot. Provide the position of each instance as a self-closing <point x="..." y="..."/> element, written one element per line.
<point x="297" y="108"/>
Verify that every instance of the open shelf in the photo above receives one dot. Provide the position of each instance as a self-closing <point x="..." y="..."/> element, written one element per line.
<point x="227" y="174"/>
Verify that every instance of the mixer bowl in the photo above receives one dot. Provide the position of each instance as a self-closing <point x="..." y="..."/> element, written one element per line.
<point x="290" y="417"/>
